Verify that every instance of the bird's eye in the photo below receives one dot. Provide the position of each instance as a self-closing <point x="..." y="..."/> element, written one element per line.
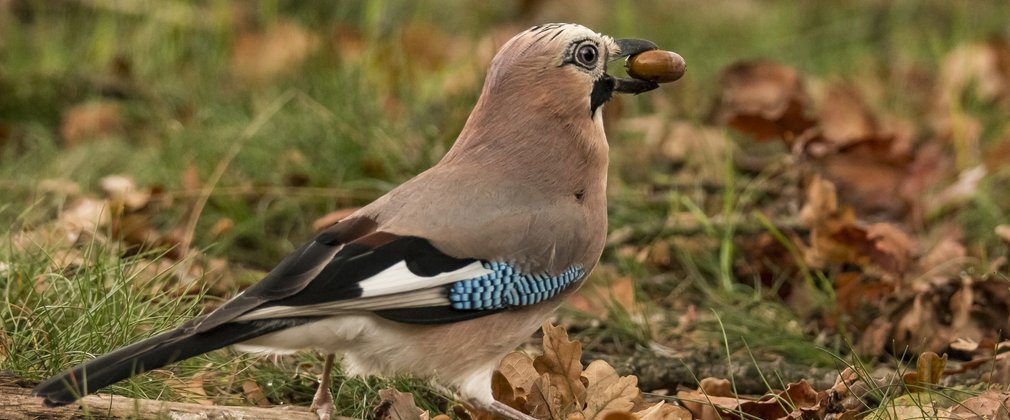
<point x="586" y="55"/>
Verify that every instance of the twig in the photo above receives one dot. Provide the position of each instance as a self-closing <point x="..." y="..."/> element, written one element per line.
<point x="222" y="166"/>
<point x="16" y="403"/>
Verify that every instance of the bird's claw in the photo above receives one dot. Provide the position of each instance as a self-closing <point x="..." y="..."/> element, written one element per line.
<point x="322" y="404"/>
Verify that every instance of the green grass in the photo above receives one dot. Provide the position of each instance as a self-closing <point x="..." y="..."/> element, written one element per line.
<point x="339" y="130"/>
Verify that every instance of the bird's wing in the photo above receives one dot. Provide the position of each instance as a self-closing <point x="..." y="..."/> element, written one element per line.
<point x="354" y="267"/>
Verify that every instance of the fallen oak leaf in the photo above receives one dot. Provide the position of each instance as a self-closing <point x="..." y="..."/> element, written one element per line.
<point x="704" y="406"/>
<point x="397" y="405"/>
<point x="764" y="99"/>
<point x="718" y="387"/>
<point x="504" y="392"/>
<point x="798" y="396"/>
<point x="562" y="362"/>
<point x="544" y="401"/>
<point x="991" y="404"/>
<point x="664" y="411"/>
<point x="518" y="369"/>
<point x="607" y="391"/>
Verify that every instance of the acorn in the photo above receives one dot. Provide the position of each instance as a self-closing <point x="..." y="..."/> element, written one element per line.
<point x="656" y="66"/>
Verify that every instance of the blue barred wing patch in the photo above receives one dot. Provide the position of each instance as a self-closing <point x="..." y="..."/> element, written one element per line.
<point x="505" y="287"/>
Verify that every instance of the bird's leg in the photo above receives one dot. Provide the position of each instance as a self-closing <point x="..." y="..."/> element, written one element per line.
<point x="322" y="402"/>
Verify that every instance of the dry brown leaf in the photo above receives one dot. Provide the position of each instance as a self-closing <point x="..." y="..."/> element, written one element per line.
<point x="992" y="404"/>
<point x="845" y="117"/>
<point x="799" y="396"/>
<point x="562" y="362"/>
<point x="664" y="411"/>
<point x="943" y="311"/>
<point x="706" y="407"/>
<point x="397" y="405"/>
<point x="869" y="176"/>
<point x="282" y="48"/>
<point x="929" y="368"/>
<point x="892" y="248"/>
<point x="544" y="401"/>
<point x="504" y="392"/>
<point x="518" y="369"/>
<point x="89" y="120"/>
<point x="607" y="391"/>
<point x="837" y="237"/>
<point x="764" y="100"/>
<point x="717" y="387"/>
<point x="254" y="394"/>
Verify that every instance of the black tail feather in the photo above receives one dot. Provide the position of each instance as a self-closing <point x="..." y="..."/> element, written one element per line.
<point x="149" y="354"/>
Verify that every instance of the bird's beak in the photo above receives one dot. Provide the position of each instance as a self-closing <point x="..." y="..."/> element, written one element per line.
<point x="626" y="48"/>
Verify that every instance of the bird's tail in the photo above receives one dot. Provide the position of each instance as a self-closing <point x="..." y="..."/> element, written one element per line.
<point x="153" y="353"/>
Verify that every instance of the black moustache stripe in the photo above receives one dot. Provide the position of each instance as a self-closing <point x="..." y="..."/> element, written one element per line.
<point x="603" y="89"/>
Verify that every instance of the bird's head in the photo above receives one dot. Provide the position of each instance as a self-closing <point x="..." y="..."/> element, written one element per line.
<point x="563" y="64"/>
<point x="547" y="85"/>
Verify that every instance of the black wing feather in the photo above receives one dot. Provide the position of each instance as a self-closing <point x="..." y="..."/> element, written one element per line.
<point x="291" y="276"/>
<point x="328" y="268"/>
<point x="152" y="353"/>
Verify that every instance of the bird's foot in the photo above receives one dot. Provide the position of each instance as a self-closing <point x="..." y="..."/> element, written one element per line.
<point x="322" y="403"/>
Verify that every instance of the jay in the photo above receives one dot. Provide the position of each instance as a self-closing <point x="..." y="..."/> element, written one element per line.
<point x="445" y="274"/>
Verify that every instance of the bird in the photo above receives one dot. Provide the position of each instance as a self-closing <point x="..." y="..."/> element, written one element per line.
<point x="446" y="273"/>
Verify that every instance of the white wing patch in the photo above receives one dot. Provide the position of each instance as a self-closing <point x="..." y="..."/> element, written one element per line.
<point x="399" y="279"/>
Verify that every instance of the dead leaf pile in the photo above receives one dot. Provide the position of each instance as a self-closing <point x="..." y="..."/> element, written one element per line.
<point x="554" y="385"/>
<point x="869" y="182"/>
<point x="798" y="400"/>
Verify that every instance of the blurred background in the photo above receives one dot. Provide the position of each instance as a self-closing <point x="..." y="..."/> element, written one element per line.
<point x="827" y="186"/>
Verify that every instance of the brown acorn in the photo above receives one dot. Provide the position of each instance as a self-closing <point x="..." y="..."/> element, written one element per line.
<point x="656" y="66"/>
